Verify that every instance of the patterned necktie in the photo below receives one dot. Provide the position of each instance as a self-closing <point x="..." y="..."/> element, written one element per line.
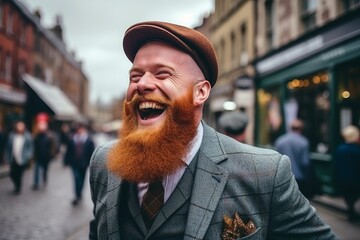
<point x="152" y="202"/>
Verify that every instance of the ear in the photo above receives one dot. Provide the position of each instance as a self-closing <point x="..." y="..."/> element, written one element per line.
<point x="201" y="93"/>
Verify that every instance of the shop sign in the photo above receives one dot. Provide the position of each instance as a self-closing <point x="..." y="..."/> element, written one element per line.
<point x="323" y="40"/>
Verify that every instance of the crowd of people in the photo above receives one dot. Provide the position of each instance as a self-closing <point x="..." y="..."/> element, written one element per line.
<point x="22" y="150"/>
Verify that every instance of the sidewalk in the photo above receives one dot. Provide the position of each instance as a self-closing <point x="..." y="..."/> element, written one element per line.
<point x="4" y="171"/>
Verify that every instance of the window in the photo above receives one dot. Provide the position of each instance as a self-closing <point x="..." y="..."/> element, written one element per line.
<point x="1" y="15"/>
<point x="1" y="64"/>
<point x="233" y="50"/>
<point x="308" y="98"/>
<point x="350" y="4"/>
<point x="270" y="119"/>
<point x="308" y="14"/>
<point x="10" y="22"/>
<point x="348" y="95"/>
<point x="269" y="25"/>
<point x="243" y="45"/>
<point x="23" y="33"/>
<point x="21" y="71"/>
<point x="8" y="67"/>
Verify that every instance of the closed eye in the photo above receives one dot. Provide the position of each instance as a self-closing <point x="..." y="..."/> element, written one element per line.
<point x="162" y="75"/>
<point x="135" y="77"/>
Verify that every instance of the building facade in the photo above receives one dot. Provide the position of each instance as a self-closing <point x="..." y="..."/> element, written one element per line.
<point x="306" y="67"/>
<point x="34" y="63"/>
<point x="232" y="33"/>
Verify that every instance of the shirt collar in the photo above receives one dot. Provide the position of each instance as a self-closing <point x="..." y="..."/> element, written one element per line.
<point x="194" y="145"/>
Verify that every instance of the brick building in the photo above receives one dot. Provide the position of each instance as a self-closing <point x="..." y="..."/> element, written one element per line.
<point x="35" y="62"/>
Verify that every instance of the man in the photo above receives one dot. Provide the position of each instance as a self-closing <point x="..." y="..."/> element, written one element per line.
<point x="78" y="153"/>
<point x="18" y="152"/>
<point x="170" y="176"/>
<point x="45" y="149"/>
<point x="347" y="169"/>
<point x="296" y="147"/>
<point x="234" y="124"/>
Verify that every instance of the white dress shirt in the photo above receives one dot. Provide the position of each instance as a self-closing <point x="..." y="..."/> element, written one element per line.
<point x="18" y="145"/>
<point x="170" y="182"/>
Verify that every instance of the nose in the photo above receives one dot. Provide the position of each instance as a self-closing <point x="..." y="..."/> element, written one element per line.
<point x="146" y="83"/>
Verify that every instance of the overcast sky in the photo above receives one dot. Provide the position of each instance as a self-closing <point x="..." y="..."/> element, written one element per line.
<point x="94" y="30"/>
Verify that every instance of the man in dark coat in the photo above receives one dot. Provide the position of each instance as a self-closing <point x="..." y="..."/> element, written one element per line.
<point x="45" y="149"/>
<point x="347" y="168"/>
<point x="78" y="154"/>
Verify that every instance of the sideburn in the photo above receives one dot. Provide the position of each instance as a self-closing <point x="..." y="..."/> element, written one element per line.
<point x="144" y="155"/>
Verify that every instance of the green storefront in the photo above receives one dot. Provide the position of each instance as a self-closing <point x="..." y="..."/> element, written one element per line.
<point x="317" y="79"/>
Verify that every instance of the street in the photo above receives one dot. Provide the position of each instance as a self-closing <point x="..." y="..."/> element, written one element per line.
<point x="48" y="213"/>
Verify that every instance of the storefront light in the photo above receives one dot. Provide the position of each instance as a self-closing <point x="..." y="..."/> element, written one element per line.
<point x="306" y="83"/>
<point x="324" y="78"/>
<point x="316" y="79"/>
<point x="229" y="105"/>
<point x="290" y="85"/>
<point x="345" y="94"/>
<point x="295" y="82"/>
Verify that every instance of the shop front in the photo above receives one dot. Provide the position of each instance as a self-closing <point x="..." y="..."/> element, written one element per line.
<point x="316" y="79"/>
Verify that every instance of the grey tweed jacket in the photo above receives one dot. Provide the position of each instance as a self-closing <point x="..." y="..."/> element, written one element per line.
<point x="230" y="177"/>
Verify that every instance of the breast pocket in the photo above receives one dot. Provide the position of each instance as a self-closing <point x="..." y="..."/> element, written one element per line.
<point x="253" y="236"/>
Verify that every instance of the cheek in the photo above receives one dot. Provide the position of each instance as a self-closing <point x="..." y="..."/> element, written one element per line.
<point x="130" y="92"/>
<point x="174" y="91"/>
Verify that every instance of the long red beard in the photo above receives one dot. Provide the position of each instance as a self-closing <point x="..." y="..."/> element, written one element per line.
<point x="144" y="155"/>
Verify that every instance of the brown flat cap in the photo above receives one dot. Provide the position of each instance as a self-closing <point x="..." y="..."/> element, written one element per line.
<point x="186" y="39"/>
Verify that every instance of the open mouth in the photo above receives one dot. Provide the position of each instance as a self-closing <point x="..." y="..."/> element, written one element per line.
<point x="148" y="110"/>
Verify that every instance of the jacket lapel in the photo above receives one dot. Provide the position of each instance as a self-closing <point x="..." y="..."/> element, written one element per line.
<point x="178" y="197"/>
<point x="209" y="183"/>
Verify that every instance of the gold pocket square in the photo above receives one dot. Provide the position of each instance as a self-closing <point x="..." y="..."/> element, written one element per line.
<point x="236" y="228"/>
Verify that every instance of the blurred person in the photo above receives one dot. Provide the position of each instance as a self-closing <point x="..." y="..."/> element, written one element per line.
<point x="2" y="145"/>
<point x="347" y="169"/>
<point x="234" y="124"/>
<point x="45" y="150"/>
<point x="78" y="153"/>
<point x="18" y="152"/>
<point x="171" y="176"/>
<point x="296" y="147"/>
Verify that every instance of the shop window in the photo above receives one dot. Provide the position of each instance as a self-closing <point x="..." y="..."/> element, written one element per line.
<point x="348" y="95"/>
<point x="308" y="98"/>
<point x="270" y="118"/>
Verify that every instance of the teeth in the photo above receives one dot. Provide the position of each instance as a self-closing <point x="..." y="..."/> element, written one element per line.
<point x="152" y="105"/>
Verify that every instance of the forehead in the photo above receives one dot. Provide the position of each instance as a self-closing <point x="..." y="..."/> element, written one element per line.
<point x="156" y="50"/>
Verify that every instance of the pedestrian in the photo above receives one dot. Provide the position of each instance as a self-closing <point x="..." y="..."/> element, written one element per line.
<point x="2" y="145"/>
<point x="171" y="176"/>
<point x="45" y="149"/>
<point x="296" y="147"/>
<point x="78" y="154"/>
<point x="234" y="123"/>
<point x="347" y="169"/>
<point x="19" y="152"/>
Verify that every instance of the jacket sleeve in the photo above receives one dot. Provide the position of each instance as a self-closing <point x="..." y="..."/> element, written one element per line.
<point x="98" y="188"/>
<point x="291" y="215"/>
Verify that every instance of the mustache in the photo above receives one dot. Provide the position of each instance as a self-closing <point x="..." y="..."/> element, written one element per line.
<point x="132" y="105"/>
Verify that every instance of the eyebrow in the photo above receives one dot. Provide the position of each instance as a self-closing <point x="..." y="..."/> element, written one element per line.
<point x="158" y="65"/>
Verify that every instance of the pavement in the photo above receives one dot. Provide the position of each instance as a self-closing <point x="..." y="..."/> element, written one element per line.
<point x="46" y="213"/>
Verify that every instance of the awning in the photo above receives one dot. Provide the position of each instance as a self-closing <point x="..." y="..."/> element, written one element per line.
<point x="53" y="97"/>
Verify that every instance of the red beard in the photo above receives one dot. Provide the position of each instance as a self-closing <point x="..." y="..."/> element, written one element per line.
<point x="145" y="155"/>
